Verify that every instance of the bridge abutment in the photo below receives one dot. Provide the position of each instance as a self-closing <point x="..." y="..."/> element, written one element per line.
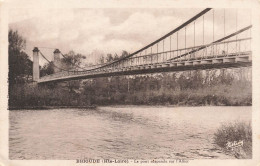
<point x="57" y="61"/>
<point x="36" y="70"/>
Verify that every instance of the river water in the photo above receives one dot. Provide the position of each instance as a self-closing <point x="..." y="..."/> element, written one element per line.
<point x="127" y="132"/>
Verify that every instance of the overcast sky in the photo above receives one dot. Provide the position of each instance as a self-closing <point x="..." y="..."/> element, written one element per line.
<point x="92" y="31"/>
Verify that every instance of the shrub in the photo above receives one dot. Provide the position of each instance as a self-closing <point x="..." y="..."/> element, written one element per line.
<point x="231" y="132"/>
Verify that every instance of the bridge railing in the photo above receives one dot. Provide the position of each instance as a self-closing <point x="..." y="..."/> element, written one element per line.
<point x="226" y="48"/>
<point x="220" y="49"/>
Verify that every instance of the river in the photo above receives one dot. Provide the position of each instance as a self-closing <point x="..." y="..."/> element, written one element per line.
<point x="120" y="132"/>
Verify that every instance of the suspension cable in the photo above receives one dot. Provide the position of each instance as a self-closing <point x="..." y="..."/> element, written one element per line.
<point x="53" y="63"/>
<point x="47" y="48"/>
<point x="224" y="27"/>
<point x="170" y="47"/>
<point x="203" y="30"/>
<point x="213" y="25"/>
<point x="71" y="62"/>
<point x="236" y="28"/>
<point x="194" y="33"/>
<point x="65" y="58"/>
<point x="185" y="38"/>
<point x="214" y="42"/>
<point x="158" y="40"/>
<point x="224" y="22"/>
<point x="83" y="69"/>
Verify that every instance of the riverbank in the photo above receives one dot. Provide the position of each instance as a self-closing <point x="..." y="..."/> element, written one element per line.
<point x="111" y="106"/>
<point x="50" y="107"/>
<point x="102" y="92"/>
<point x="214" y="96"/>
<point x="235" y="138"/>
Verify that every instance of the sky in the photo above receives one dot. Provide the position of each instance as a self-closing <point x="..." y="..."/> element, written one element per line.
<point x="97" y="31"/>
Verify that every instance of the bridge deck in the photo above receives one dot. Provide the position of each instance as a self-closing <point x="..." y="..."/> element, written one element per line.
<point x="242" y="60"/>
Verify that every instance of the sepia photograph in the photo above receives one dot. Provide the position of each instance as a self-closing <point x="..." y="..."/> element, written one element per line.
<point x="130" y="85"/>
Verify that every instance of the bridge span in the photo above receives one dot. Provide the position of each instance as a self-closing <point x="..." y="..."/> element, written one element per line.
<point x="165" y="55"/>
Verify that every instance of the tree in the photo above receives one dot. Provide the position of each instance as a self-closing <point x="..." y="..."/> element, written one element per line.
<point x="47" y="69"/>
<point x="124" y="54"/>
<point x="72" y="60"/>
<point x="101" y="60"/>
<point x="20" y="66"/>
<point x="116" y="57"/>
<point x="109" y="58"/>
<point x="16" y="42"/>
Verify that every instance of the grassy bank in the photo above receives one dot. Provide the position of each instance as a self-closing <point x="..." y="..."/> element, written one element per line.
<point x="218" y="95"/>
<point x="236" y="139"/>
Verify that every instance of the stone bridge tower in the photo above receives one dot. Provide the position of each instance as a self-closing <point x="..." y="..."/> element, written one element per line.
<point x="36" y="70"/>
<point x="57" y="61"/>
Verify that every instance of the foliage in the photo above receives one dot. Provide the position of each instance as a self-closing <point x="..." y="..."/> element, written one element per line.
<point x="231" y="132"/>
<point x="111" y="58"/>
<point x="23" y="95"/>
<point x="16" y="42"/>
<point x="185" y="88"/>
<point x="20" y="65"/>
<point x="72" y="60"/>
<point x="47" y="69"/>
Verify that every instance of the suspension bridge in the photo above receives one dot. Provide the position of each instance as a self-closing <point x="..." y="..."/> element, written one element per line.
<point x="187" y="47"/>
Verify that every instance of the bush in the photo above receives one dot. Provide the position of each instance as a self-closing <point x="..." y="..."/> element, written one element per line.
<point x="235" y="132"/>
